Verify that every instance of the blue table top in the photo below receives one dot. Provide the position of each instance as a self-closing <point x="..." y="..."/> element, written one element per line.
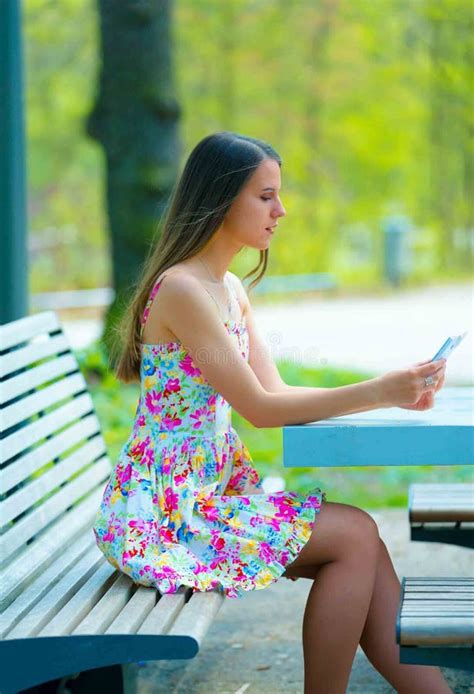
<point x="443" y="435"/>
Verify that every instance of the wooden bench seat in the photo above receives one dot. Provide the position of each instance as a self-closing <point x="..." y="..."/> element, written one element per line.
<point x="435" y="623"/>
<point x="63" y="607"/>
<point x="442" y="513"/>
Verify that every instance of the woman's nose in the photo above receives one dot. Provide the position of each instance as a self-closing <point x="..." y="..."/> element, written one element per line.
<point x="279" y="211"/>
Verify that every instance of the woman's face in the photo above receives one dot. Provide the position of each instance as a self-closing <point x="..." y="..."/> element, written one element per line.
<point x="252" y="218"/>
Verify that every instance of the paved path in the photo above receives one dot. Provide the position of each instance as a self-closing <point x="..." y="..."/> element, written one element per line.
<point x="376" y="334"/>
<point x="372" y="333"/>
<point x="254" y="646"/>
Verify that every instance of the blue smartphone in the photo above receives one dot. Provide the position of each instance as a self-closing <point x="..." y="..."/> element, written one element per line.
<point x="449" y="346"/>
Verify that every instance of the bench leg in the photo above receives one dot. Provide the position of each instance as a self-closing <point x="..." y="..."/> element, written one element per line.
<point x="452" y="657"/>
<point x="105" y="679"/>
<point x="131" y="676"/>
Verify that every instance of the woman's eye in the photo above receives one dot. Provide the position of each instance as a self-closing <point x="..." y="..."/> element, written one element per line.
<point x="266" y="198"/>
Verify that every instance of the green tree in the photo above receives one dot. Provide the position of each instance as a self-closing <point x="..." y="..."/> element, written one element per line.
<point x="135" y="118"/>
<point x="450" y="28"/>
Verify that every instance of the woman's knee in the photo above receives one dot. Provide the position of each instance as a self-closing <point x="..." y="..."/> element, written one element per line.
<point x="364" y="526"/>
<point x="340" y="531"/>
<point x="359" y="533"/>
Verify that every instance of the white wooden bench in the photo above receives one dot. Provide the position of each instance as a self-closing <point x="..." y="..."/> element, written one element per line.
<point x="442" y="513"/>
<point x="435" y="623"/>
<point x="63" y="607"/>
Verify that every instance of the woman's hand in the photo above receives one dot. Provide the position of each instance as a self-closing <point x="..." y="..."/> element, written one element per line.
<point x="427" y="399"/>
<point x="407" y="388"/>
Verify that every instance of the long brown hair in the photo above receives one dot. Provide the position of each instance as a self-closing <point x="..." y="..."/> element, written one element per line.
<point x="212" y="178"/>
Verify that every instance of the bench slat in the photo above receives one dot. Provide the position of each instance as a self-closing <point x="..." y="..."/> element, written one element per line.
<point x="108" y="608"/>
<point x="24" y="529"/>
<point x="50" y="480"/>
<point x="429" y="487"/>
<point x="465" y="602"/>
<point x="441" y="502"/>
<point x="441" y="609"/>
<point x="165" y="612"/>
<point x="24" y="356"/>
<point x="38" y="376"/>
<point x="67" y="619"/>
<point x="444" y="498"/>
<point x="35" y="558"/>
<point x="59" y="595"/>
<point x="30" y="405"/>
<point x="135" y="611"/>
<point x="414" y="591"/>
<point x="35" y="591"/>
<point x="30" y="434"/>
<point x="30" y="462"/>
<point x="19" y="331"/>
<point x="420" y="631"/>
<point x="453" y="515"/>
<point x="439" y="598"/>
<point x="447" y="583"/>
<point x="197" y="615"/>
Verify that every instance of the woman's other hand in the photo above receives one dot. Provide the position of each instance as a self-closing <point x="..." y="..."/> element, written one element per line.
<point x="407" y="389"/>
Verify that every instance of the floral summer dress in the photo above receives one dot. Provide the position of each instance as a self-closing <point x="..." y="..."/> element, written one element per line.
<point x="184" y="504"/>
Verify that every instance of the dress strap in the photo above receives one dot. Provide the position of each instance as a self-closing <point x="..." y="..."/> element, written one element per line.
<point x="234" y="293"/>
<point x="146" y="311"/>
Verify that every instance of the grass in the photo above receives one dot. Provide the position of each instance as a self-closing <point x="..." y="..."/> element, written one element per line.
<point x="370" y="488"/>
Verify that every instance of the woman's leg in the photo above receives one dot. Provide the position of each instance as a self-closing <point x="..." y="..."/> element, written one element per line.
<point x="378" y="637"/>
<point x="344" y="546"/>
<point x="350" y="560"/>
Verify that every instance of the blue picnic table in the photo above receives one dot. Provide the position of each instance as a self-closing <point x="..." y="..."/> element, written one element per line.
<point x="443" y="435"/>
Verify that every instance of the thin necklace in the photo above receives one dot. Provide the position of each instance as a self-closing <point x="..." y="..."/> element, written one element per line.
<point x="208" y="271"/>
<point x="229" y="298"/>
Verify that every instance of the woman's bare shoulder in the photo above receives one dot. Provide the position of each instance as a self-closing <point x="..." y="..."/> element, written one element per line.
<point x="176" y="271"/>
<point x="179" y="281"/>
<point x="177" y="287"/>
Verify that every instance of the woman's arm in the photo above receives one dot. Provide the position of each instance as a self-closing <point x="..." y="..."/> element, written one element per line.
<point x="305" y="388"/>
<point x="260" y="358"/>
<point x="263" y="364"/>
<point x="192" y="316"/>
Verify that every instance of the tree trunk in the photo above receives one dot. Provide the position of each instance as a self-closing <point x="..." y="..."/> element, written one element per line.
<point x="322" y="24"/>
<point x="135" y="118"/>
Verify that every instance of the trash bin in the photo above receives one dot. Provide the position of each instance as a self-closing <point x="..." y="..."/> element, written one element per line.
<point x="396" y="252"/>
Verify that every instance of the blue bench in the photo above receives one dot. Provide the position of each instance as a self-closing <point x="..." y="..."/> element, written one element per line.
<point x="435" y="622"/>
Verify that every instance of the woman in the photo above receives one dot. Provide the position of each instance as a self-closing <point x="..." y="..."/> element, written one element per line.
<point x="184" y="505"/>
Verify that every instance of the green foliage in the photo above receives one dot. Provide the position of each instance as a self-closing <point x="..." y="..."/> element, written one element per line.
<point x="369" y="103"/>
<point x="367" y="487"/>
<point x="65" y="173"/>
